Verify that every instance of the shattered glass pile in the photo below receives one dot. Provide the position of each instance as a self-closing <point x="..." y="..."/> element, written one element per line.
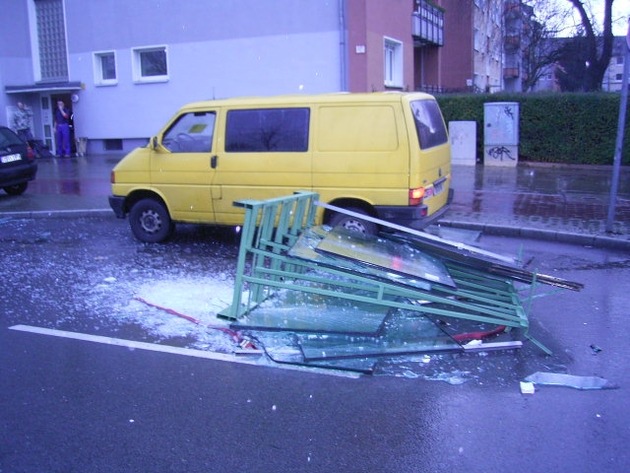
<point x="328" y="297"/>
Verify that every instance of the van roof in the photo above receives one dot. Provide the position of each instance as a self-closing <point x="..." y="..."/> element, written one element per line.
<point x="304" y="99"/>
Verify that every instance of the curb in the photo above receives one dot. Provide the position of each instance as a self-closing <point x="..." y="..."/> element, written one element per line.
<point x="58" y="213"/>
<point x="582" y="239"/>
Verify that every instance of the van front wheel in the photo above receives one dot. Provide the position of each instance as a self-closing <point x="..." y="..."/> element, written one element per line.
<point x="150" y="221"/>
<point x="353" y="223"/>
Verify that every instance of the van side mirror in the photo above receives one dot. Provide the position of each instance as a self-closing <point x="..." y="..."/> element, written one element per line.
<point x="154" y="142"/>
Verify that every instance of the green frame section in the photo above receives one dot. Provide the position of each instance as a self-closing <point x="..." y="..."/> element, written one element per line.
<point x="273" y="227"/>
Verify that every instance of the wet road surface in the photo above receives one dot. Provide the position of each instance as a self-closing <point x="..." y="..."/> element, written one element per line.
<point x="71" y="405"/>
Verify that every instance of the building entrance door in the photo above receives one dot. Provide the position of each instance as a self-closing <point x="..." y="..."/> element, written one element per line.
<point x="47" y="122"/>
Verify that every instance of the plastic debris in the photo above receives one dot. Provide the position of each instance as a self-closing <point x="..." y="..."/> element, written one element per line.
<point x="595" y="348"/>
<point x="527" y="387"/>
<point x="570" y="381"/>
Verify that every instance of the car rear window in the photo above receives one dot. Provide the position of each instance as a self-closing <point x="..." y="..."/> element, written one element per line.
<point x="8" y="138"/>
<point x="267" y="130"/>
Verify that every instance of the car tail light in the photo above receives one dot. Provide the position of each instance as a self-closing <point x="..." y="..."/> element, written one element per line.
<point x="30" y="154"/>
<point x="112" y="178"/>
<point x="416" y="195"/>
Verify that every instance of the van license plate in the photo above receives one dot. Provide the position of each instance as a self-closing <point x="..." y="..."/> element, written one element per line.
<point x="9" y="158"/>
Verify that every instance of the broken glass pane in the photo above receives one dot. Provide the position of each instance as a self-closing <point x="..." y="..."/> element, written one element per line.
<point x="305" y="312"/>
<point x="401" y="336"/>
<point x="480" y="259"/>
<point x="570" y="381"/>
<point x="305" y="246"/>
<point x="386" y="255"/>
<point x="282" y="348"/>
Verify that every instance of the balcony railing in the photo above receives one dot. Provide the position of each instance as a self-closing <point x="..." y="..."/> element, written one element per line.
<point x="427" y="25"/>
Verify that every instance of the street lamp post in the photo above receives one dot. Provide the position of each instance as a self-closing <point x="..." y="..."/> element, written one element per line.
<point x="620" y="129"/>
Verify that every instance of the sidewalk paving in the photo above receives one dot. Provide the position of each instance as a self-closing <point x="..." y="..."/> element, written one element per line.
<point x="557" y="203"/>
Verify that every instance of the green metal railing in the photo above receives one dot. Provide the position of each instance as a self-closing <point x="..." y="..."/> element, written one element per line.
<point x="278" y="251"/>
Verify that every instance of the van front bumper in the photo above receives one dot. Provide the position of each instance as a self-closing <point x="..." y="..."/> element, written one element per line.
<point x="117" y="204"/>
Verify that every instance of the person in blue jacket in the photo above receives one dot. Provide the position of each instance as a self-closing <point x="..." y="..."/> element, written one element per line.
<point x="62" y="129"/>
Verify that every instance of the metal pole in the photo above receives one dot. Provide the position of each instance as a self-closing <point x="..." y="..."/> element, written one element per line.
<point x="620" y="129"/>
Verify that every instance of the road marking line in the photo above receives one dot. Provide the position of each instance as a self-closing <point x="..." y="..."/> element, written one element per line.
<point x="169" y="349"/>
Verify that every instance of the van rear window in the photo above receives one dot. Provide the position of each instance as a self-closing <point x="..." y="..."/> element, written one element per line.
<point x="267" y="130"/>
<point x="429" y="123"/>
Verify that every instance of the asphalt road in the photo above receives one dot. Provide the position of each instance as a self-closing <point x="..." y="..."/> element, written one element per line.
<point x="76" y="406"/>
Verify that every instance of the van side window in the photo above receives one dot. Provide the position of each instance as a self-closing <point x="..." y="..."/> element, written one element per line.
<point x="264" y="130"/>
<point x="429" y="123"/>
<point x="191" y="133"/>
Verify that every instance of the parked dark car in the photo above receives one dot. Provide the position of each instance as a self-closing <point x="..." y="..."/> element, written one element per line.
<point x="17" y="162"/>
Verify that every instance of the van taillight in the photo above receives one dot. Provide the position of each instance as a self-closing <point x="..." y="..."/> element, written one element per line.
<point x="112" y="178"/>
<point x="416" y="195"/>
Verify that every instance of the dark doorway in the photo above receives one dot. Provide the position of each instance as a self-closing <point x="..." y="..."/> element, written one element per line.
<point x="67" y="100"/>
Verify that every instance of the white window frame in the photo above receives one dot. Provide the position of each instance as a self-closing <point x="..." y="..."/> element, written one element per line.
<point x="99" y="80"/>
<point x="393" y="62"/>
<point x="136" y="64"/>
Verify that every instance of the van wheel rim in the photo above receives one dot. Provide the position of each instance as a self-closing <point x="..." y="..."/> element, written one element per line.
<point x="354" y="225"/>
<point x="150" y="221"/>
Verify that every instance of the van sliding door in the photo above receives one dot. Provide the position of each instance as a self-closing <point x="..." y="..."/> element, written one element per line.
<point x="266" y="154"/>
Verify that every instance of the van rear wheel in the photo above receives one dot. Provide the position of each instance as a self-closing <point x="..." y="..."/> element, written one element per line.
<point x="150" y="221"/>
<point x="353" y="223"/>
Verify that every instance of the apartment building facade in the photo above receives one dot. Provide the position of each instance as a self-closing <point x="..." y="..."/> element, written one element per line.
<point x="125" y="67"/>
<point x="467" y="55"/>
<point x="613" y="78"/>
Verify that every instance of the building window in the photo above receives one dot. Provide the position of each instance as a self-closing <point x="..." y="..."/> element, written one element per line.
<point x="150" y="64"/>
<point x="51" y="40"/>
<point x="393" y="62"/>
<point x="105" y="68"/>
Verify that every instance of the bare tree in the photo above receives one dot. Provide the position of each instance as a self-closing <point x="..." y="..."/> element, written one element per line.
<point x="598" y="45"/>
<point x="541" y="52"/>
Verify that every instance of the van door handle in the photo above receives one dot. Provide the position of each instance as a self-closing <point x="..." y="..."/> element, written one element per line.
<point x="213" y="161"/>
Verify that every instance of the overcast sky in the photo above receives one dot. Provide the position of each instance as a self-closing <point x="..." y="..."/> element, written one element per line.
<point x="621" y="10"/>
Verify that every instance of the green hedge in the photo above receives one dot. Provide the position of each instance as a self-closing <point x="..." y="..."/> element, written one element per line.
<point x="565" y="128"/>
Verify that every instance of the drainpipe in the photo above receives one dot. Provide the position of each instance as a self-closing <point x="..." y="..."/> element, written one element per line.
<point x="343" y="50"/>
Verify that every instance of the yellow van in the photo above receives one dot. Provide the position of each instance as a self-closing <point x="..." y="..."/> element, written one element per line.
<point x="386" y="155"/>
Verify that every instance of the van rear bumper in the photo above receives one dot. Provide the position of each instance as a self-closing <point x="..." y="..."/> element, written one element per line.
<point x="412" y="217"/>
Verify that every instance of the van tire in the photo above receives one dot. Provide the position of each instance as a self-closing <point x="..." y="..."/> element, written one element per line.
<point x="352" y="223"/>
<point x="150" y="221"/>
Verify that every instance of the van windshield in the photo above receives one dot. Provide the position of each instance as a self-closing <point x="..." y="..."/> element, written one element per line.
<point x="429" y="123"/>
